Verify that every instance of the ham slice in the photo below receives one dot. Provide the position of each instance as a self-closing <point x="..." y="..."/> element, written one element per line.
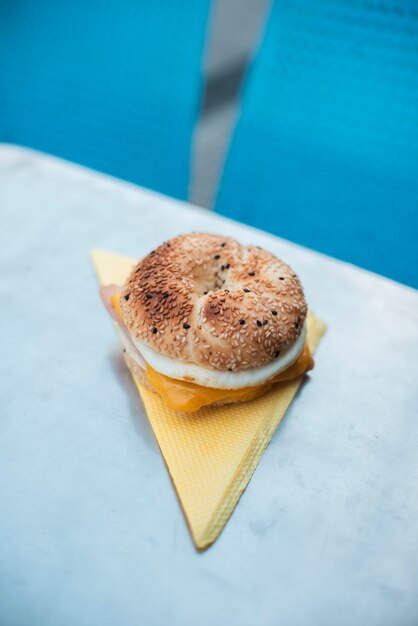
<point x="106" y="292"/>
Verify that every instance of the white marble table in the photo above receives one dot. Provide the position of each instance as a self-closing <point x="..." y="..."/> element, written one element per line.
<point x="90" y="528"/>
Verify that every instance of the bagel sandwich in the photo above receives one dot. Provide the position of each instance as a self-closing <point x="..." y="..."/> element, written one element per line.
<point x="205" y="321"/>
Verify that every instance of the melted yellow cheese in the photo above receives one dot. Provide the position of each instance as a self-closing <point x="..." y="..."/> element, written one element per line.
<point x="116" y="305"/>
<point x="188" y="397"/>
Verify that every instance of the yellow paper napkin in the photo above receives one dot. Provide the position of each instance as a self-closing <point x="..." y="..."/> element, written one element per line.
<point x="211" y="454"/>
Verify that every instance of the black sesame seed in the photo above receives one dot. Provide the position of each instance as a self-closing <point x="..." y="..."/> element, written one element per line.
<point x="148" y="295"/>
<point x="217" y="256"/>
<point x="281" y="277"/>
<point x="242" y="322"/>
<point x="277" y="353"/>
<point x="227" y="266"/>
<point x="251" y="273"/>
<point x="229" y="369"/>
<point x="223" y="268"/>
<point x="165" y="294"/>
<point x="223" y="245"/>
<point x="247" y="290"/>
<point x="168" y="245"/>
<point x="186" y="326"/>
<point x="274" y="312"/>
<point x="154" y="330"/>
<point x="265" y="322"/>
<point x="127" y="296"/>
<point x="205" y="292"/>
<point x="226" y="290"/>
<point x="259" y="323"/>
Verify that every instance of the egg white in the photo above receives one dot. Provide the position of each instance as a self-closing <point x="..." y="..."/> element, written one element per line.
<point x="182" y="370"/>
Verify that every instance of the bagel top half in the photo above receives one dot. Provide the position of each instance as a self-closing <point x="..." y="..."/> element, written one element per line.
<point x="207" y="300"/>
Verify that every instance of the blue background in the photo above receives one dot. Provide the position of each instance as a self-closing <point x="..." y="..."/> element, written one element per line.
<point x="325" y="152"/>
<point x="112" y="85"/>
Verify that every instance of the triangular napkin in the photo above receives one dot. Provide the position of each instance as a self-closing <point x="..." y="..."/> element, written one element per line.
<point x="212" y="454"/>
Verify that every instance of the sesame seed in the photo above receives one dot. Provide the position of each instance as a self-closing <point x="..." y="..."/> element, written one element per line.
<point x="251" y="273"/>
<point x="165" y="294"/>
<point x="227" y="266"/>
<point x="223" y="245"/>
<point x="217" y="256"/>
<point x="242" y="322"/>
<point x="246" y="290"/>
<point x="205" y="292"/>
<point x="226" y="290"/>
<point x="223" y="268"/>
<point x="127" y="296"/>
<point x="259" y="323"/>
<point x="148" y="295"/>
<point x="154" y="330"/>
<point x="274" y="312"/>
<point x="277" y="353"/>
<point x="281" y="277"/>
<point x="186" y="326"/>
<point x="265" y="322"/>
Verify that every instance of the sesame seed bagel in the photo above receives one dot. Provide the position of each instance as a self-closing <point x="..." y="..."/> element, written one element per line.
<point x="206" y="299"/>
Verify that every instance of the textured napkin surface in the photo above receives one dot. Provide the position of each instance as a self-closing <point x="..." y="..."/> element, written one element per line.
<point x="211" y="454"/>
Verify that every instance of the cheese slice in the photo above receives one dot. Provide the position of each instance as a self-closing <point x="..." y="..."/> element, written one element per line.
<point x="115" y="300"/>
<point x="188" y="397"/>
